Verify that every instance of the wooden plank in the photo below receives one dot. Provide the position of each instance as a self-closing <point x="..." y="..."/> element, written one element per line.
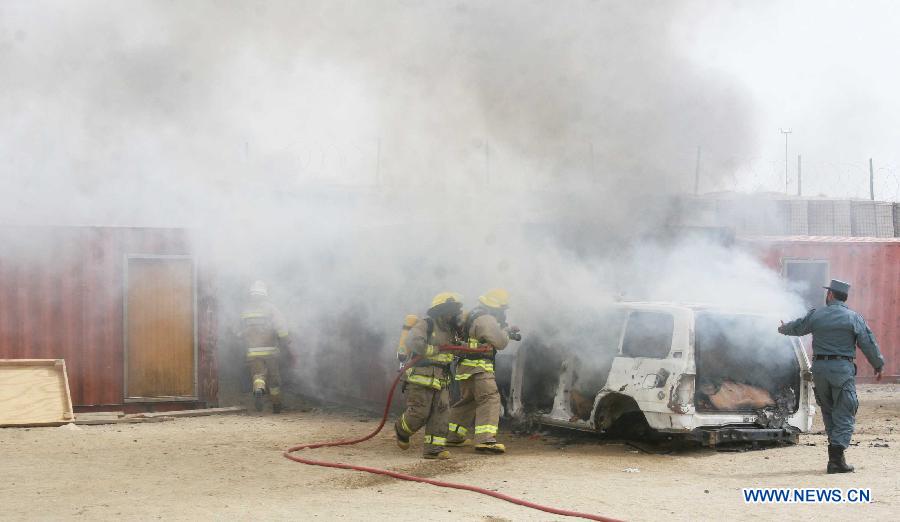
<point x="194" y="413"/>
<point x="122" y="420"/>
<point x="34" y="392"/>
<point x="99" y="415"/>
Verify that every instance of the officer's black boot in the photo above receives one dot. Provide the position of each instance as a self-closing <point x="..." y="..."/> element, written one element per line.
<point x="836" y="462"/>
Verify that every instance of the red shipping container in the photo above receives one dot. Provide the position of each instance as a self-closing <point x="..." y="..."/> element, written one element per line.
<point x="870" y="265"/>
<point x="62" y="296"/>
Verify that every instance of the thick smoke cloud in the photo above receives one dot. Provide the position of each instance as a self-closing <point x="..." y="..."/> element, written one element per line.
<point x="362" y="156"/>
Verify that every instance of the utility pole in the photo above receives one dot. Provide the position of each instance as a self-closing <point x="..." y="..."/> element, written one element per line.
<point x="871" y="181"/>
<point x="591" y="144"/>
<point x="378" y="163"/>
<point x="697" y="173"/>
<point x="487" y="162"/>
<point x="799" y="178"/>
<point x="785" y="132"/>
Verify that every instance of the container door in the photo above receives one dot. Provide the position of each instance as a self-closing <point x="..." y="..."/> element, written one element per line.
<point x="160" y="335"/>
<point x="806" y="277"/>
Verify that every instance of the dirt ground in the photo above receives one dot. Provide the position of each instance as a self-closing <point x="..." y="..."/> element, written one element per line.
<point x="231" y="468"/>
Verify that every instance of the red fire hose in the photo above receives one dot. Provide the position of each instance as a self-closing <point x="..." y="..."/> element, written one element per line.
<point x="403" y="476"/>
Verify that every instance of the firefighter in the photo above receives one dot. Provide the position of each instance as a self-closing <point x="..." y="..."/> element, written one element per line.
<point x="478" y="409"/>
<point x="265" y="334"/>
<point x="426" y="384"/>
<point x="837" y="331"/>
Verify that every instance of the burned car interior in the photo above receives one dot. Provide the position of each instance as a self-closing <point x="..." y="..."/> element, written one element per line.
<point x="743" y="365"/>
<point x="550" y="358"/>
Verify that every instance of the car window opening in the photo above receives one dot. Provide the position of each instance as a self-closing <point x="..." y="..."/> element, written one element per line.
<point x="744" y="365"/>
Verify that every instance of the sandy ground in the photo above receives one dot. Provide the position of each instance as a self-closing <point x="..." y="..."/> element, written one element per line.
<point x="231" y="468"/>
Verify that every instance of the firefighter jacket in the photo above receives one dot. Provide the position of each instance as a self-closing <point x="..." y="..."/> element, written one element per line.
<point x="263" y="329"/>
<point x="424" y="340"/>
<point x="483" y="329"/>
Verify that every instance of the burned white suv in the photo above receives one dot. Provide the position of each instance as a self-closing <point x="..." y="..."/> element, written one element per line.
<point x="714" y="375"/>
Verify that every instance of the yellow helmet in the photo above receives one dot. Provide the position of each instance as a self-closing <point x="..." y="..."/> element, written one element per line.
<point x="495" y="298"/>
<point x="445" y="304"/>
<point x="259" y="288"/>
<point x="446" y="297"/>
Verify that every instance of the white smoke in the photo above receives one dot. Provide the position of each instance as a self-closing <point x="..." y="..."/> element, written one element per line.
<point x="363" y="156"/>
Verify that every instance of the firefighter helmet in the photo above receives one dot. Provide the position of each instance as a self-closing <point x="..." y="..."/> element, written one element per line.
<point x="495" y="298"/>
<point x="445" y="303"/>
<point x="259" y="288"/>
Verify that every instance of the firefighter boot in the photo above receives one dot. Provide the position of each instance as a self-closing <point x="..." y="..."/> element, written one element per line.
<point x="459" y="443"/>
<point x="836" y="462"/>
<point x="490" y="446"/>
<point x="437" y="455"/>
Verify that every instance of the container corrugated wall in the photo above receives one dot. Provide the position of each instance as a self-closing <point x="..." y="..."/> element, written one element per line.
<point x="61" y="296"/>
<point x="873" y="270"/>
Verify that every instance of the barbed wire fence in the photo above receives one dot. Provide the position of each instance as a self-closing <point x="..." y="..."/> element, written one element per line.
<point x="368" y="163"/>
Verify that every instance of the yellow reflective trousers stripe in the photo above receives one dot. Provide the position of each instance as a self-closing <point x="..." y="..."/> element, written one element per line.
<point x="456" y="428"/>
<point x="435" y="440"/>
<point x="404" y="425"/>
<point x="486" y="428"/>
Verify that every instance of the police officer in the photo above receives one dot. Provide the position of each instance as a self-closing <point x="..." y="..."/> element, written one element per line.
<point x="836" y="331"/>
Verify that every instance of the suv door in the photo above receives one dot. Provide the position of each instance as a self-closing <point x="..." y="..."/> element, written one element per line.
<point x="652" y="356"/>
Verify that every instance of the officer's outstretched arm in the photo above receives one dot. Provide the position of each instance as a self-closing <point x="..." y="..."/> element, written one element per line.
<point x="798" y="327"/>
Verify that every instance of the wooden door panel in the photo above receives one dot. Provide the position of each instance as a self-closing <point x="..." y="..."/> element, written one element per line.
<point x="159" y="328"/>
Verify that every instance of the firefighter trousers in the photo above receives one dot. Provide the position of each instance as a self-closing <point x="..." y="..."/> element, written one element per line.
<point x="264" y="373"/>
<point x="426" y="406"/>
<point x="477" y="411"/>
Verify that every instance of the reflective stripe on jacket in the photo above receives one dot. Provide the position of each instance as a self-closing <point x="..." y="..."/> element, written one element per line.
<point x="427" y="349"/>
<point x="427" y="376"/>
<point x="484" y="330"/>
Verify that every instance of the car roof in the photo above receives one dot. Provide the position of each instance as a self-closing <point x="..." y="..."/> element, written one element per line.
<point x="695" y="307"/>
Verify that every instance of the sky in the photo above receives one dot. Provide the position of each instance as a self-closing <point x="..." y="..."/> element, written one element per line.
<point x="826" y="70"/>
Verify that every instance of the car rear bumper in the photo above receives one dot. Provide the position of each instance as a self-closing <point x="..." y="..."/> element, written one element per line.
<point x="715" y="436"/>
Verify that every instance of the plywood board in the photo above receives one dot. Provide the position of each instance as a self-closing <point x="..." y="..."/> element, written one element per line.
<point x="34" y="392"/>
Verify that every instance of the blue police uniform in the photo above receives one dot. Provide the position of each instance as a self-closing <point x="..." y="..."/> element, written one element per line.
<point x="836" y="331"/>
